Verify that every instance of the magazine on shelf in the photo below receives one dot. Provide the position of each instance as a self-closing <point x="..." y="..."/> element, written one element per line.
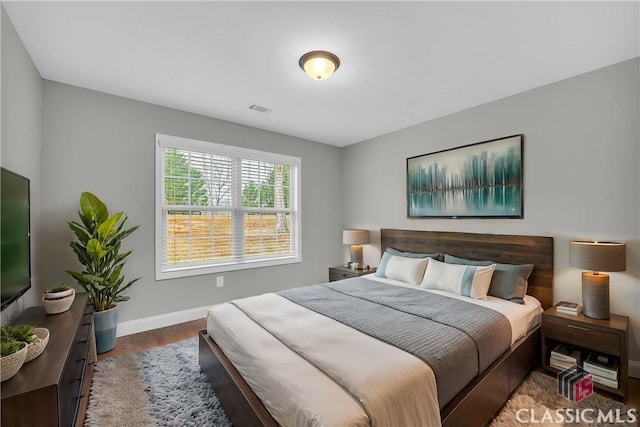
<point x="561" y="365"/>
<point x="568" y="307"/>
<point x="574" y="313"/>
<point x="604" y="381"/>
<point x="565" y="353"/>
<point x="602" y="366"/>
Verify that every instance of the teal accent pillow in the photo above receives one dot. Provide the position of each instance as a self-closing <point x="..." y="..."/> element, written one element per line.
<point x="509" y="281"/>
<point x="382" y="266"/>
<point x="467" y="280"/>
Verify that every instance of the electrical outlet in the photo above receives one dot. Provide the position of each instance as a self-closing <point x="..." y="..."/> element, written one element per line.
<point x="219" y="281"/>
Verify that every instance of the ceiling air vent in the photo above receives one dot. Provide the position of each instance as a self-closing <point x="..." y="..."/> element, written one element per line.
<point x="259" y="108"/>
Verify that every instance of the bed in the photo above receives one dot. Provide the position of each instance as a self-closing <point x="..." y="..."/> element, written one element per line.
<point x="481" y="395"/>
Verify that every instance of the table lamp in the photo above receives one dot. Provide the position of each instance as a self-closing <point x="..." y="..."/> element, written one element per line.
<point x="356" y="238"/>
<point x="597" y="257"/>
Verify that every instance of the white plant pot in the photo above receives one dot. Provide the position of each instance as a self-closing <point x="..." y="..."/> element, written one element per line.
<point x="59" y="305"/>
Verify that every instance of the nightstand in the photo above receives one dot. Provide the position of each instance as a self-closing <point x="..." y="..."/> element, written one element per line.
<point x="341" y="272"/>
<point x="608" y="336"/>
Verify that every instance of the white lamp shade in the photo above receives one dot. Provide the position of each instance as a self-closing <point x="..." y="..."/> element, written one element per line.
<point x="355" y="237"/>
<point x="598" y="256"/>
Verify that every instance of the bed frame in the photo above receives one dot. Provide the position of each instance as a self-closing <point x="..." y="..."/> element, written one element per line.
<point x="484" y="396"/>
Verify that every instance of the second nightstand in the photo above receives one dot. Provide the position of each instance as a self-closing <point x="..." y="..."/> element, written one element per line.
<point x="608" y="336"/>
<point x="341" y="272"/>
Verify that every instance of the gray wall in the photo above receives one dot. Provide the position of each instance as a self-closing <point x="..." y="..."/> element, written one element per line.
<point x="21" y="140"/>
<point x="581" y="174"/>
<point x="105" y="144"/>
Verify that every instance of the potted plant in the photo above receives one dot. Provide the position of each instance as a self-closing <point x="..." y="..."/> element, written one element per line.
<point x="36" y="338"/>
<point x="99" y="240"/>
<point x="12" y="356"/>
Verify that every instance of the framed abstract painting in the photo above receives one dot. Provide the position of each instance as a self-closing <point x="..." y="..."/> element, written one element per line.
<point x="481" y="180"/>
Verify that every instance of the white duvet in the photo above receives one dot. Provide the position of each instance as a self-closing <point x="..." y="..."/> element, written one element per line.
<point x="309" y="370"/>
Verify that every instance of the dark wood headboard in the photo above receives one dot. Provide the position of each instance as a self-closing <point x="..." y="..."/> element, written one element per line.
<point x="503" y="248"/>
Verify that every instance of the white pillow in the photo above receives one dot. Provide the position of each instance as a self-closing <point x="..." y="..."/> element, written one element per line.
<point x="467" y="280"/>
<point x="405" y="269"/>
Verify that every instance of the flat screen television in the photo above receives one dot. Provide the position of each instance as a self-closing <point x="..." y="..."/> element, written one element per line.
<point x="15" y="255"/>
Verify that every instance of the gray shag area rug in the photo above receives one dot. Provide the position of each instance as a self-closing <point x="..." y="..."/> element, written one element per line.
<point x="537" y="403"/>
<point x="163" y="386"/>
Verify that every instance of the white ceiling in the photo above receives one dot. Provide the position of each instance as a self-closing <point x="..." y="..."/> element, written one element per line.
<point x="402" y="63"/>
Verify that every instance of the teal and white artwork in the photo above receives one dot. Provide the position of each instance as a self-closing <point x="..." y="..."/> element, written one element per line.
<point x="477" y="180"/>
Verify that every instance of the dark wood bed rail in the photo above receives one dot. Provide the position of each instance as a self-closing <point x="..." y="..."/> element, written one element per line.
<point x="241" y="404"/>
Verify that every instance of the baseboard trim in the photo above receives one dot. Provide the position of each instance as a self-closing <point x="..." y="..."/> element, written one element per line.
<point x="634" y="369"/>
<point x="160" y="321"/>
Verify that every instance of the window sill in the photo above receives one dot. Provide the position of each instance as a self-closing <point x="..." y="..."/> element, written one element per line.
<point x="179" y="272"/>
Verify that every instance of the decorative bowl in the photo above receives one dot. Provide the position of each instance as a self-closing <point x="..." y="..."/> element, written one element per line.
<point x="11" y="364"/>
<point x="36" y="348"/>
<point x="59" y="305"/>
<point x="56" y="295"/>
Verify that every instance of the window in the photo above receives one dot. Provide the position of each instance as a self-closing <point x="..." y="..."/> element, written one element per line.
<point x="221" y="208"/>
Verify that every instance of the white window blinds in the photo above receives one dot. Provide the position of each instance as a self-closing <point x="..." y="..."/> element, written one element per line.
<point x="221" y="208"/>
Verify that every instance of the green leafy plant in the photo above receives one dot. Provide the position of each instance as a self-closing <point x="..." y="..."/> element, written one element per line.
<point x="10" y="347"/>
<point x="59" y="288"/>
<point x="25" y="333"/>
<point x="99" y="239"/>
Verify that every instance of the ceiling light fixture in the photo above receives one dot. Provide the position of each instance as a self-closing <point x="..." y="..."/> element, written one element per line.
<point x="319" y="64"/>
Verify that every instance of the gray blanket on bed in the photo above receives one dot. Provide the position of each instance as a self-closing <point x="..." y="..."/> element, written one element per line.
<point x="458" y="339"/>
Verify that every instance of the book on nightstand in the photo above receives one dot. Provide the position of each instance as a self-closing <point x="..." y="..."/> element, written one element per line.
<point x="561" y="365"/>
<point x="568" y="308"/>
<point x="565" y="353"/>
<point x="602" y="366"/>
<point x="604" y="381"/>
<point x="564" y="357"/>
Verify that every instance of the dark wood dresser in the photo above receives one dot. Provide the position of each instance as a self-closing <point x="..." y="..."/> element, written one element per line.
<point x="48" y="390"/>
